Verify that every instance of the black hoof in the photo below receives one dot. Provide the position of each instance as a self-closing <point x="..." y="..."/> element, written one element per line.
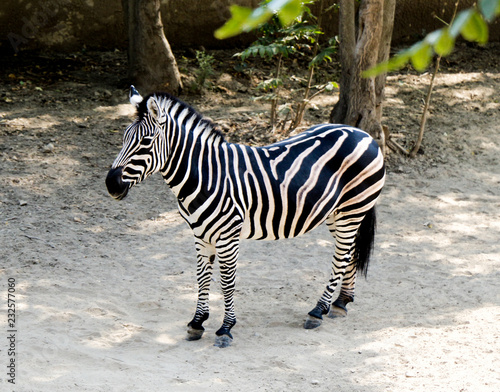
<point x="337" y="312"/>
<point x="223" y="341"/>
<point x="339" y="307"/>
<point x="223" y="337"/>
<point x="195" y="327"/>
<point x="194" y="334"/>
<point x="312" y="322"/>
<point x="315" y="317"/>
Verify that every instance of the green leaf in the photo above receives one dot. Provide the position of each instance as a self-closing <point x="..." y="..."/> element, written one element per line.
<point x="445" y="43"/>
<point x="270" y="84"/>
<point x="460" y="21"/>
<point x="434" y="37"/>
<point x="243" y="19"/>
<point x="490" y="9"/>
<point x="441" y="40"/>
<point x="331" y="85"/>
<point x="324" y="55"/>
<point x="289" y="11"/>
<point x="421" y="55"/>
<point x="396" y="62"/>
<point x="234" y="26"/>
<point x="475" y="29"/>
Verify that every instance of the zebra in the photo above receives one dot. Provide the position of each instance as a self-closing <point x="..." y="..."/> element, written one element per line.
<point x="227" y="192"/>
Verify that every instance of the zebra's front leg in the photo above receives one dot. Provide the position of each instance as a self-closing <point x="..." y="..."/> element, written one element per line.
<point x="227" y="253"/>
<point x="205" y="259"/>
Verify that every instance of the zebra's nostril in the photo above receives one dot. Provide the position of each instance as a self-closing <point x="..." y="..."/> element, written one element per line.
<point x="116" y="187"/>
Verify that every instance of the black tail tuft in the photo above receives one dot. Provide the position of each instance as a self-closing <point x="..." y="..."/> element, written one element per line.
<point x="364" y="241"/>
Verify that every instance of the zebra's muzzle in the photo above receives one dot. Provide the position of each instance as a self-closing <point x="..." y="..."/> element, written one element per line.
<point x="116" y="187"/>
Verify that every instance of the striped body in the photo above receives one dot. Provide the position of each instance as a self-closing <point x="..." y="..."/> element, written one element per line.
<point x="228" y="191"/>
<point x="278" y="191"/>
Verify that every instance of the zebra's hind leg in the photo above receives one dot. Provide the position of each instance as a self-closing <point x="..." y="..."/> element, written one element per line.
<point x="360" y="259"/>
<point x="339" y="306"/>
<point x="315" y="316"/>
<point x="205" y="259"/>
<point x="344" y="231"/>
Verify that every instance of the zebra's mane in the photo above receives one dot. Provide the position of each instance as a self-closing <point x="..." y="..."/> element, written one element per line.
<point x="169" y="101"/>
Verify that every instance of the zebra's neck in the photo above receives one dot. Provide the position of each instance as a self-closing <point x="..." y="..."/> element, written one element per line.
<point x="192" y="144"/>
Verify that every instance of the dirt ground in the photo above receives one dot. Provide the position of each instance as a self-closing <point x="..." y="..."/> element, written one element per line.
<point x="104" y="289"/>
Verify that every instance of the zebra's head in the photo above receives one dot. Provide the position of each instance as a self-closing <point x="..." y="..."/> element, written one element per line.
<point x="140" y="155"/>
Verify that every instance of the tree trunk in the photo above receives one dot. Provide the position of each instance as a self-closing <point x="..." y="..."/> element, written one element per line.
<point x="152" y="65"/>
<point x="362" y="45"/>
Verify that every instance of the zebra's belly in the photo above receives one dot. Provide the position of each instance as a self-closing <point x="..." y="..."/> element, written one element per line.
<point x="275" y="229"/>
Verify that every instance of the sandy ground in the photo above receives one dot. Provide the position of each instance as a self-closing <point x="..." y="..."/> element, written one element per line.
<point x="104" y="289"/>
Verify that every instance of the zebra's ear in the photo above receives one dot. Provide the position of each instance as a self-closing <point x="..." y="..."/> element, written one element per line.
<point x="134" y="96"/>
<point x="155" y="111"/>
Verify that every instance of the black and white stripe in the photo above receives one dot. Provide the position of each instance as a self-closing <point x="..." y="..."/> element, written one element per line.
<point x="226" y="192"/>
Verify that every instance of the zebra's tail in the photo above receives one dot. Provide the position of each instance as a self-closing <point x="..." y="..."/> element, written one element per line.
<point x="364" y="241"/>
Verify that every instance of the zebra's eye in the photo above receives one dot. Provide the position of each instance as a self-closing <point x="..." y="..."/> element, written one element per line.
<point x="147" y="140"/>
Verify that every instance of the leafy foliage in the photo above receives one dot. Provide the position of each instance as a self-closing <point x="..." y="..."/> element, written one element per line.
<point x="470" y="23"/>
<point x="277" y="43"/>
<point x="244" y="19"/>
<point x="326" y="54"/>
<point x="276" y="40"/>
<point x="205" y="62"/>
